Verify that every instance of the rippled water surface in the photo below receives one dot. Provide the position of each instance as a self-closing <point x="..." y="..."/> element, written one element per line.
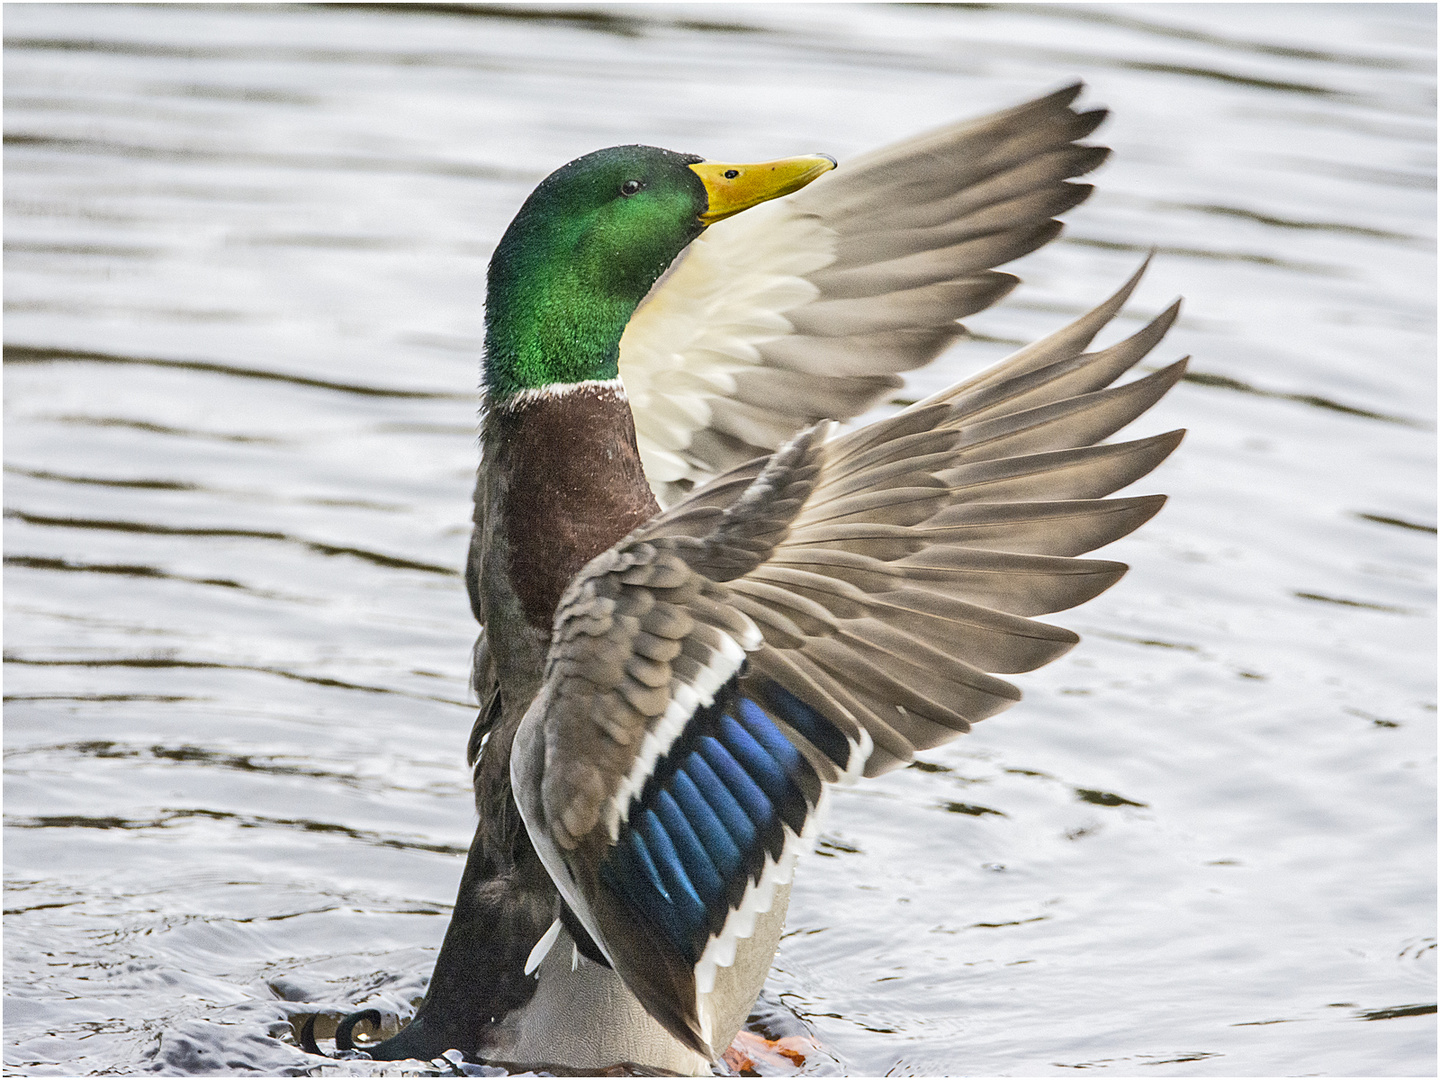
<point x="244" y="261"/>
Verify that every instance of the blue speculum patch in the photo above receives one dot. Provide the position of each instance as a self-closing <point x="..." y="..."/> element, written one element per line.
<point x="715" y="805"/>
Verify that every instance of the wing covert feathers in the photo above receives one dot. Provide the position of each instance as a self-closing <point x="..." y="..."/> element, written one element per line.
<point x="811" y="306"/>
<point x="823" y="611"/>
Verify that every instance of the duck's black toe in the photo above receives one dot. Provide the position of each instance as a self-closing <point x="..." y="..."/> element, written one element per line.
<point x="345" y="1029"/>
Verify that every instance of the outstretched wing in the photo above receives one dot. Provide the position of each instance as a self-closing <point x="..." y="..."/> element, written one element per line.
<point x="822" y="612"/>
<point x="808" y="307"/>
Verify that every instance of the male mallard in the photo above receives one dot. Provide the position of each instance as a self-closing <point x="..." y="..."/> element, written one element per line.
<point x="666" y="695"/>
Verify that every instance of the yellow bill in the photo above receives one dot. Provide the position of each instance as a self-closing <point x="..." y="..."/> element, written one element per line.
<point x="733" y="188"/>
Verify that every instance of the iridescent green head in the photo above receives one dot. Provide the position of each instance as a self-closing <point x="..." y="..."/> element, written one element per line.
<point x="590" y="241"/>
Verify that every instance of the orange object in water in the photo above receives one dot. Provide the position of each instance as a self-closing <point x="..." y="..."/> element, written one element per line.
<point x="756" y="1055"/>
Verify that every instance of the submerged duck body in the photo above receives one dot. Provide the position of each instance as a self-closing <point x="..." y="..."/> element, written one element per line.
<point x="702" y="603"/>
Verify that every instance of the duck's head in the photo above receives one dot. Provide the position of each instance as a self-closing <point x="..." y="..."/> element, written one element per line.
<point x="590" y="241"/>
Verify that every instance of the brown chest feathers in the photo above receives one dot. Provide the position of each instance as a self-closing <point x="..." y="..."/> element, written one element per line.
<point x="575" y="486"/>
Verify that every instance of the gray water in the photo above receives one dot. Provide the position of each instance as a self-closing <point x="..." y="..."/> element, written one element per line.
<point x="245" y="253"/>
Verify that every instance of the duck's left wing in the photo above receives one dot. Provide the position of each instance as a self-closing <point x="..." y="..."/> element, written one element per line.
<point x="807" y="617"/>
<point x="811" y="306"/>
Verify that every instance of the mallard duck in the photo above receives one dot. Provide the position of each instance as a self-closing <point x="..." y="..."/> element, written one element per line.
<point x="703" y="602"/>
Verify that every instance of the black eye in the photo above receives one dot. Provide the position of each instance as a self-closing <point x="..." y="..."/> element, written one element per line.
<point x="629" y="187"/>
<point x="730" y="174"/>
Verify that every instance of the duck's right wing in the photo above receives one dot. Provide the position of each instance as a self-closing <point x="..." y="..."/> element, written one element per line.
<point x="810" y="306"/>
<point x="815" y="614"/>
